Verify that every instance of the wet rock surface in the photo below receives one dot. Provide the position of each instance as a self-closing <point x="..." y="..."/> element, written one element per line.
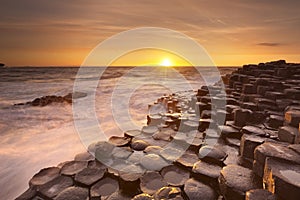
<point x="187" y="152"/>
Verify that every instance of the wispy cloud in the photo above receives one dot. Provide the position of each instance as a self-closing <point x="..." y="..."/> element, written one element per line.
<point x="269" y="44"/>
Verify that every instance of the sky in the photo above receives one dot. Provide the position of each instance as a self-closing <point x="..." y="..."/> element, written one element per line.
<point x="61" y="32"/>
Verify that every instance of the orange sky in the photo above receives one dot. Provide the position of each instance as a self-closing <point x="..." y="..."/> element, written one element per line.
<point x="61" y="32"/>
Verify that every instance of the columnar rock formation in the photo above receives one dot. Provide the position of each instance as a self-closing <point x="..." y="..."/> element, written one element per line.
<point x="193" y="148"/>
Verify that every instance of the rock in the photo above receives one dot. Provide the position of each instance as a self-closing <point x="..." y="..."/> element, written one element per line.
<point x="119" y="141"/>
<point x="188" y="159"/>
<point x="212" y="154"/>
<point x="172" y="153"/>
<point x="235" y="181"/>
<point x="103" y="151"/>
<point x="248" y="145"/>
<point x="295" y="147"/>
<point x="89" y="176"/>
<point x="153" y="149"/>
<point x="132" y="133"/>
<point x="73" y="193"/>
<point x="196" y="190"/>
<point x="289" y="134"/>
<point x="228" y="131"/>
<point x="44" y="176"/>
<point x="143" y="197"/>
<point x="153" y="162"/>
<point x="233" y="142"/>
<point x="151" y="182"/>
<point x="206" y="169"/>
<point x="150" y="130"/>
<point x="282" y="178"/>
<point x="292" y="117"/>
<point x="162" y="136"/>
<point x="73" y="167"/>
<point x="131" y="172"/>
<point x="52" y="188"/>
<point x="103" y="188"/>
<point x="241" y="116"/>
<point x="85" y="156"/>
<point x="139" y="145"/>
<point x="168" y="193"/>
<point x="259" y="194"/>
<point x="28" y="194"/>
<point x="174" y="175"/>
<point x="275" y="121"/>
<point x="253" y="130"/>
<point x="121" y="152"/>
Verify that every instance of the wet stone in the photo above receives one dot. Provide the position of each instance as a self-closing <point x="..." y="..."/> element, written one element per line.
<point x="166" y="193"/>
<point x="259" y="194"/>
<point x="143" y="197"/>
<point x="289" y="134"/>
<point x="248" y="145"/>
<point x="151" y="182"/>
<point x="73" y="167"/>
<point x="139" y="145"/>
<point x="212" y="154"/>
<point x="54" y="187"/>
<point x="153" y="162"/>
<point x="188" y="159"/>
<point x="174" y="175"/>
<point x="235" y="181"/>
<point x="282" y="178"/>
<point x="207" y="169"/>
<point x="119" y="141"/>
<point x="196" y="190"/>
<point x="44" y="176"/>
<point x="73" y="193"/>
<point x="89" y="176"/>
<point x="103" y="188"/>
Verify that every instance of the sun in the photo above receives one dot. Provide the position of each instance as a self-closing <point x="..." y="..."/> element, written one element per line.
<point x="166" y="62"/>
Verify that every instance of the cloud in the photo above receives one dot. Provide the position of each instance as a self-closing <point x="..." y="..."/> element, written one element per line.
<point x="269" y="44"/>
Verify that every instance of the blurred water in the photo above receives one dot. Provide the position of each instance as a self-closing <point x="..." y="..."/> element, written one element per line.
<point x="32" y="138"/>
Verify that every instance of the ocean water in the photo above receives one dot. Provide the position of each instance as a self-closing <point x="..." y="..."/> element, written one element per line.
<point x="32" y="138"/>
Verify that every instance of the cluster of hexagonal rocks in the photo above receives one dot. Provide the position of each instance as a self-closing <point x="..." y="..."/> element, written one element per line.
<point x="187" y="152"/>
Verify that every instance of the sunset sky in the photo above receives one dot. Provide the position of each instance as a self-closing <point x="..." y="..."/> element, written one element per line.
<point x="61" y="32"/>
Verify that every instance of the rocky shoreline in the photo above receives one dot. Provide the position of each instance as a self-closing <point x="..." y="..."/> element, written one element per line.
<point x="193" y="148"/>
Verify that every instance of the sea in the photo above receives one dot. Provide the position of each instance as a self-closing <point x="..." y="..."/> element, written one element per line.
<point x="34" y="137"/>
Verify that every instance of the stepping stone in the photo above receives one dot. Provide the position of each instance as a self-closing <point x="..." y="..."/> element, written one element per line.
<point x="196" y="190"/>
<point x="235" y="181"/>
<point x="228" y="131"/>
<point x="149" y="130"/>
<point x="172" y="153"/>
<point x="121" y="152"/>
<point x="153" y="149"/>
<point x="248" y="145"/>
<point x="85" y="156"/>
<point x="28" y="194"/>
<point x="153" y="162"/>
<point x="139" y="145"/>
<point x="253" y="130"/>
<point x="131" y="172"/>
<point x="233" y="142"/>
<point x="161" y="136"/>
<point x="188" y="159"/>
<point x="207" y="169"/>
<point x="132" y="133"/>
<point x="292" y="117"/>
<point x="282" y="178"/>
<point x="143" y="197"/>
<point x="54" y="187"/>
<point x="275" y="121"/>
<point x="119" y="141"/>
<point x="168" y="193"/>
<point x="73" y="193"/>
<point x="174" y="175"/>
<point x="104" y="188"/>
<point x="118" y="196"/>
<point x="151" y="182"/>
<point x="73" y="167"/>
<point x="212" y="154"/>
<point x="89" y="176"/>
<point x="259" y="194"/>
<point x="241" y="116"/>
<point x="289" y="134"/>
<point x="103" y="152"/>
<point x="44" y="176"/>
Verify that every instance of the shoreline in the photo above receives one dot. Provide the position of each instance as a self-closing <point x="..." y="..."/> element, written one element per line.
<point x="243" y="145"/>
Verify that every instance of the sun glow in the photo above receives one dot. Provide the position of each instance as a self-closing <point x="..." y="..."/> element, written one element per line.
<point x="166" y="62"/>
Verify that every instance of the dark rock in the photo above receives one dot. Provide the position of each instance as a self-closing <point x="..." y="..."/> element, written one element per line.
<point x="235" y="181"/>
<point x="275" y="121"/>
<point x="73" y="193"/>
<point x="295" y="147"/>
<point x="103" y="188"/>
<point x="131" y="172"/>
<point x="143" y="197"/>
<point x="248" y="145"/>
<point x="89" y="176"/>
<point x="174" y="175"/>
<point x="150" y="130"/>
<point x="151" y="182"/>
<point x="73" y="167"/>
<point x="85" y="156"/>
<point x="52" y="188"/>
<point x="207" y="169"/>
<point x="153" y="149"/>
<point x="132" y="133"/>
<point x="259" y="194"/>
<point x="196" y="190"/>
<point x="282" y="178"/>
<point x="233" y="142"/>
<point x="228" y="131"/>
<point x="292" y="117"/>
<point x="139" y="145"/>
<point x="153" y="162"/>
<point x="188" y="159"/>
<point x="212" y="154"/>
<point x="28" y="194"/>
<point x="289" y="134"/>
<point x="253" y="130"/>
<point x="166" y="193"/>
<point x="44" y="176"/>
<point x="241" y="116"/>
